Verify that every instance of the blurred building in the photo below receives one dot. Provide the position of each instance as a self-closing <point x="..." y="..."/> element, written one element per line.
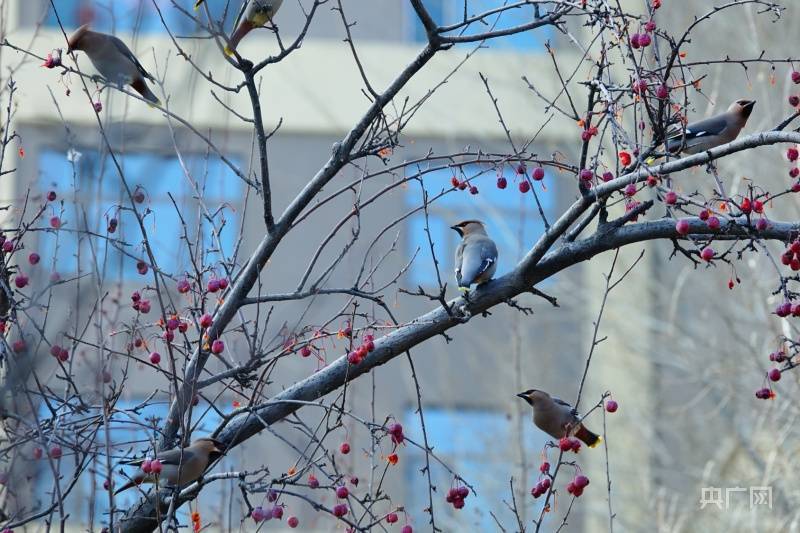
<point x="468" y="383"/>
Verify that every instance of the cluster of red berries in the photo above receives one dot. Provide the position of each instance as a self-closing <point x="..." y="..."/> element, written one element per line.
<point x="151" y="466"/>
<point x="456" y="496"/>
<point x="576" y="486"/>
<point x="367" y="345"/>
<point x="463" y="185"/>
<point x="396" y="433"/>
<point x="217" y="284"/>
<point x="786" y="308"/>
<point x="541" y="487"/>
<point x="259" y="514"/>
<point x="588" y="133"/>
<point x="143" y="306"/>
<point x="566" y="444"/>
<point x="791" y="256"/>
<point x="60" y="353"/>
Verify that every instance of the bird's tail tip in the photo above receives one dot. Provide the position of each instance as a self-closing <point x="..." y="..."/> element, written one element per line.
<point x="228" y="51"/>
<point x="463" y="289"/>
<point x="596" y="442"/>
<point x="197" y="4"/>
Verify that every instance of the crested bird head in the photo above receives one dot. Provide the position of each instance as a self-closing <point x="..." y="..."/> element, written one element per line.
<point x="742" y="107"/>
<point x="76" y="40"/>
<point x="468" y="227"/>
<point x="533" y="395"/>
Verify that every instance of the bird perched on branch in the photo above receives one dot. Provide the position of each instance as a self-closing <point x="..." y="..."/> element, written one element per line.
<point x="113" y="60"/>
<point x="476" y="255"/>
<point x="557" y="418"/>
<point x="256" y="14"/>
<point x="177" y="468"/>
<point x="713" y="131"/>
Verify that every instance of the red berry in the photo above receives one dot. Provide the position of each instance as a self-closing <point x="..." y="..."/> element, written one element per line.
<point x="713" y="223"/>
<point x="339" y="510"/>
<point x="138" y="195"/>
<point x="21" y="280"/>
<point x="8" y="246"/>
<point x="473" y="189"/>
<point x="682" y="227"/>
<point x="544" y="484"/>
<point x="536" y="491"/>
<point x="544" y="467"/>
<point x="342" y="492"/>
<point x="611" y="406"/>
<point x="305" y="351"/>
<point x="145" y="466"/>
<point x="213" y="285"/>
<point x="258" y="514"/>
<point x="564" y="444"/>
<point x="794" y="172"/>
<point x="141" y="267"/>
<point x="650" y="27"/>
<point x="704" y="214"/>
<point x="292" y="522"/>
<point x="524" y="186"/>
<point x="538" y="174"/>
<point x="407" y="529"/>
<point x="392" y="518"/>
<point x="630" y="189"/>
<point x="462" y="185"/>
<point x="634" y="40"/>
<point x="585" y="135"/>
<point x="462" y="492"/>
<point x="607" y="176"/>
<point x="55" y="452"/>
<point x="454" y="181"/>
<point x="571" y="487"/>
<point x="576" y="445"/>
<point x="217" y="347"/>
<point x="501" y="183"/>
<point x="792" y="154"/>
<point x="98" y="106"/>
<point x="670" y="198"/>
<point x="55" y="222"/>
<point x="183" y="286"/>
<point x="794" y="100"/>
<point x="796" y="76"/>
<point x="644" y="40"/>
<point x="37" y="453"/>
<point x="762" y="224"/>
<point x="223" y="283"/>
<point x="34" y="258"/>
<point x="774" y="374"/>
<point x="707" y="253"/>
<point x="652" y="181"/>
<point x="173" y="323"/>
<point x="155" y="358"/>
<point x="155" y="466"/>
<point x="586" y="174"/>
<point x="344" y="448"/>
<point x="581" y="481"/>
<point x="51" y="196"/>
<point x="277" y="512"/>
<point x="206" y="321"/>
<point x="18" y="346"/>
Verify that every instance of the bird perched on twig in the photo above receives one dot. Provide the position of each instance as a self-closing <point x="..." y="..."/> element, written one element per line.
<point x="557" y="418"/>
<point x="113" y="60"/>
<point x="476" y="255"/>
<point x="256" y="14"/>
<point x="178" y="467"/>
<point x="713" y="131"/>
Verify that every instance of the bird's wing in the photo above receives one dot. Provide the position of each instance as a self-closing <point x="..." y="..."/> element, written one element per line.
<point x="703" y="128"/>
<point x="124" y="50"/>
<point x="173" y="456"/>
<point x="459" y="260"/>
<point x="480" y="253"/>
<point x="559" y="401"/>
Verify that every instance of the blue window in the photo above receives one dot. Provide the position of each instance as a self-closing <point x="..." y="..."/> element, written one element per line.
<point x="481" y="447"/>
<point x="512" y="218"/>
<point x="92" y="194"/>
<point x="131" y="435"/>
<point x="134" y="15"/>
<point x="447" y="12"/>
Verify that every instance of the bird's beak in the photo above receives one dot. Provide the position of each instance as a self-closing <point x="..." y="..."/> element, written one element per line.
<point x="457" y="230"/>
<point x="523" y="395"/>
<point x="749" y="105"/>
